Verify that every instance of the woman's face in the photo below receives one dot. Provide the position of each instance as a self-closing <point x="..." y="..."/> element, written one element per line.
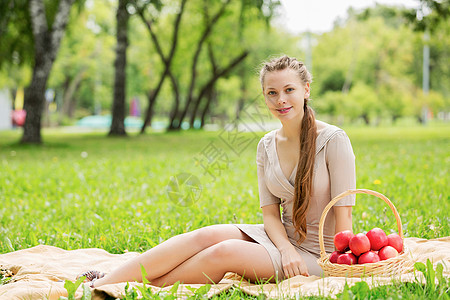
<point x="285" y="94"/>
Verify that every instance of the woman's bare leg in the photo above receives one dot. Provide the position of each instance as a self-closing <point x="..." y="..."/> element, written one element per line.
<point x="163" y="258"/>
<point x="246" y="258"/>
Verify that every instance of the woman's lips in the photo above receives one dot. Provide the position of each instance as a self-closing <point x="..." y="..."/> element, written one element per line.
<point x="284" y="110"/>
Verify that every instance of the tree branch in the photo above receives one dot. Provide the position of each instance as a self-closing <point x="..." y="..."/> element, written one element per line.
<point x="204" y="36"/>
<point x="39" y="25"/>
<point x="208" y="87"/>
<point x="149" y="24"/>
<point x="223" y="72"/>
<point x="166" y="60"/>
<point x="59" y="25"/>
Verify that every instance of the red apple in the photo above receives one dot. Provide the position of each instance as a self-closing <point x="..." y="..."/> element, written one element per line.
<point x="387" y="252"/>
<point x="359" y="244"/>
<point x="394" y="240"/>
<point x="368" y="257"/>
<point x="377" y="238"/>
<point x="347" y="259"/>
<point x="334" y="256"/>
<point x="341" y="240"/>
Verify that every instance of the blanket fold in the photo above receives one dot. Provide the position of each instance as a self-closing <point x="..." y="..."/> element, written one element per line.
<point x="39" y="273"/>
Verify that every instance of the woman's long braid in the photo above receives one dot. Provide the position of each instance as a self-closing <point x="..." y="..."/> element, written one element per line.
<point x="305" y="171"/>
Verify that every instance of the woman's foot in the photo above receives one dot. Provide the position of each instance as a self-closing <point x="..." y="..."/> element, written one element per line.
<point x="91" y="277"/>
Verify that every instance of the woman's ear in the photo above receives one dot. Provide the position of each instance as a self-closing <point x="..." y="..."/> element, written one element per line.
<point x="307" y="90"/>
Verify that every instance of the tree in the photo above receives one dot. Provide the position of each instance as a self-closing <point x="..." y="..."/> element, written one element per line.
<point x="175" y="124"/>
<point x="152" y="95"/>
<point x="46" y="44"/>
<point x="16" y="37"/>
<point x="207" y="91"/>
<point x="429" y="15"/>
<point x="118" y="108"/>
<point x="211" y="31"/>
<point x="189" y="70"/>
<point x="380" y="52"/>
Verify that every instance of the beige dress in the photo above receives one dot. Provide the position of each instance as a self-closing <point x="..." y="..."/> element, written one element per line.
<point x="334" y="173"/>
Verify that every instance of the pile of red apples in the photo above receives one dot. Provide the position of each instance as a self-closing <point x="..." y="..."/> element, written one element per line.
<point x="365" y="248"/>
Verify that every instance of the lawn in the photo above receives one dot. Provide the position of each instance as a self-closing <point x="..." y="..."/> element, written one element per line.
<point x="87" y="190"/>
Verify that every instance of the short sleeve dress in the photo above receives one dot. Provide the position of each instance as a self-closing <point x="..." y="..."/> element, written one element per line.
<point x="334" y="173"/>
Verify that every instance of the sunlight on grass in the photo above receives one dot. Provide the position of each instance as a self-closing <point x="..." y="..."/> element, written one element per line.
<point x="87" y="190"/>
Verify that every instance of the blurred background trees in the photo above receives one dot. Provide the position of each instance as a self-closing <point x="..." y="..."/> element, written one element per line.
<point x="195" y="62"/>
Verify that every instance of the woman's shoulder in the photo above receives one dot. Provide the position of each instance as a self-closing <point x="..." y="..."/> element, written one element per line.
<point x="264" y="149"/>
<point x="265" y="145"/>
<point x="267" y="138"/>
<point x="323" y="127"/>
<point x="327" y="132"/>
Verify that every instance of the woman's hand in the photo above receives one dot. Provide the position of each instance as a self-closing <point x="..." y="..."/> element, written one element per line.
<point x="293" y="263"/>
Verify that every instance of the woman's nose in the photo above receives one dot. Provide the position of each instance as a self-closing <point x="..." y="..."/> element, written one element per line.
<point x="281" y="99"/>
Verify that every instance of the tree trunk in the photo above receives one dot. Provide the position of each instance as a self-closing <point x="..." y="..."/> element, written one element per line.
<point x="176" y="106"/>
<point x="71" y="86"/>
<point x="366" y="119"/>
<point x="214" y="69"/>
<point x="34" y="100"/>
<point x="46" y="45"/>
<point x="151" y="96"/>
<point x="395" y="118"/>
<point x="243" y="86"/>
<point x="118" y="109"/>
<point x="212" y="97"/>
<point x="72" y="106"/>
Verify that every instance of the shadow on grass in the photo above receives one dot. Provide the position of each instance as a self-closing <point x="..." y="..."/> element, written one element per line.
<point x="46" y="145"/>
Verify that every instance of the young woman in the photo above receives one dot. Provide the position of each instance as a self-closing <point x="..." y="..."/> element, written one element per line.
<point x="300" y="167"/>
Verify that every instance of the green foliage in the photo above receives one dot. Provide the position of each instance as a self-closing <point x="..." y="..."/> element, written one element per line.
<point x="3" y="279"/>
<point x="72" y="287"/>
<point x="373" y="50"/>
<point x="15" y="33"/>
<point x="408" y="290"/>
<point x="359" y="291"/>
<point x="442" y="288"/>
<point x="361" y="101"/>
<point x="147" y="292"/>
<point x="376" y="50"/>
<point x="430" y="14"/>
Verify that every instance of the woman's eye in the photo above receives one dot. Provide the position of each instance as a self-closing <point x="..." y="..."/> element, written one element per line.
<point x="271" y="93"/>
<point x="289" y="89"/>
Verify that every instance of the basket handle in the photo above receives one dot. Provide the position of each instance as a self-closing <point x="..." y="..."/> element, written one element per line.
<point x="350" y="192"/>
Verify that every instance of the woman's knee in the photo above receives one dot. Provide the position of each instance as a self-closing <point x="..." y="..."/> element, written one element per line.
<point x="246" y="258"/>
<point x="211" y="235"/>
<point x="221" y="252"/>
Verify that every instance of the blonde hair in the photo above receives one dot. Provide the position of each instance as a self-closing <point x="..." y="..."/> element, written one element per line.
<point x="282" y="63"/>
<point x="308" y="135"/>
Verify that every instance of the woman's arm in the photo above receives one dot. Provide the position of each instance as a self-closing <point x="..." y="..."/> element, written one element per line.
<point x="292" y="261"/>
<point x="343" y="217"/>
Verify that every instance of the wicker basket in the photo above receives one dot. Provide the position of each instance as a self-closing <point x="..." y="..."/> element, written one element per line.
<point x="387" y="267"/>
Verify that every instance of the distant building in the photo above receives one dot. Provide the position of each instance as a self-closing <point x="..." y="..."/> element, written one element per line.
<point x="5" y="110"/>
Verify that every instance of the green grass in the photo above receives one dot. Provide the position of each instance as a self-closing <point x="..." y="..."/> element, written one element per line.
<point x="87" y="190"/>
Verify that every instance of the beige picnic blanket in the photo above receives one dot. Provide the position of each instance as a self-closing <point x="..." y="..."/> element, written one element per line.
<point x="36" y="273"/>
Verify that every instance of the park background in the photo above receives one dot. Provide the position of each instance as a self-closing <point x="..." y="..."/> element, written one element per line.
<point x="83" y="171"/>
